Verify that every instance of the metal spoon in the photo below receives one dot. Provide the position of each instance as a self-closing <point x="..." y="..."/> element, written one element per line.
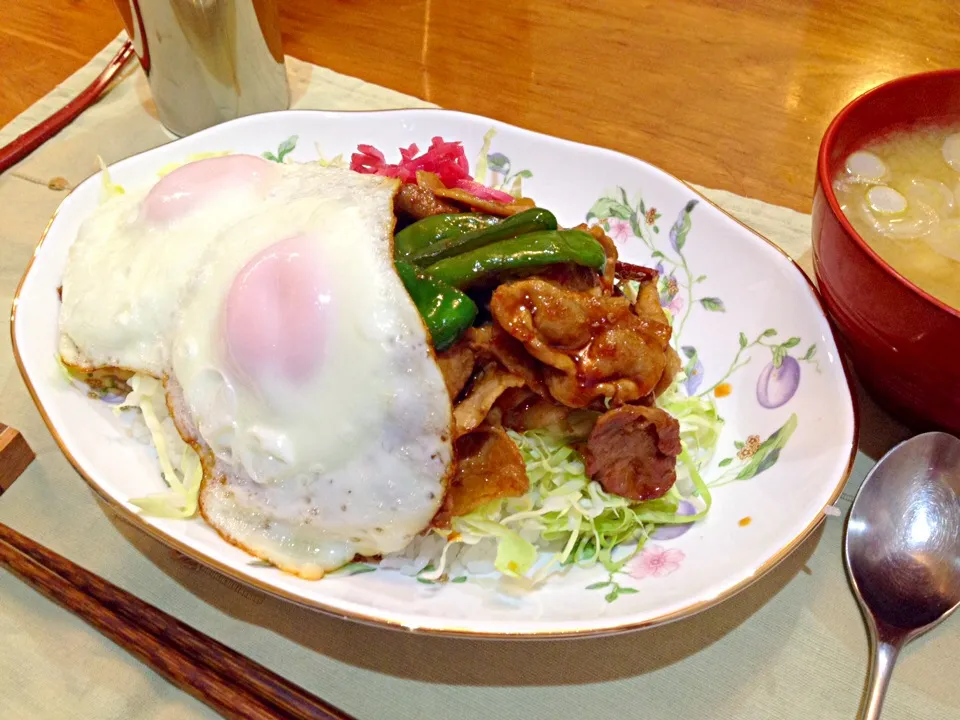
<point x="902" y="551"/>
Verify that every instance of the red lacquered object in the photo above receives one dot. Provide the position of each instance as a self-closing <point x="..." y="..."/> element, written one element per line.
<point x="25" y="144"/>
<point x="904" y="343"/>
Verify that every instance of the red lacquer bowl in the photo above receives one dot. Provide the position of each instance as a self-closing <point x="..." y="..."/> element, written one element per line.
<point x="904" y="343"/>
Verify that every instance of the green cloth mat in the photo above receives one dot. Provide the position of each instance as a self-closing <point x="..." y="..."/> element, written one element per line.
<point x="790" y="646"/>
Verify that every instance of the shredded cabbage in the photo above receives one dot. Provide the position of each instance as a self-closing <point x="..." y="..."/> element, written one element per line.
<point x="192" y="157"/>
<point x="337" y="161"/>
<point x="181" y="500"/>
<point x="108" y="188"/>
<point x="567" y="519"/>
<point x="480" y="170"/>
<point x="700" y="423"/>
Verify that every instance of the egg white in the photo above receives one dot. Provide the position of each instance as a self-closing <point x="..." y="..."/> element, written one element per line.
<point x="351" y="459"/>
<point x="124" y="276"/>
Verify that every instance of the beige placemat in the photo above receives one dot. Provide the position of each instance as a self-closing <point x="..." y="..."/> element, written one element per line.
<point x="791" y="646"/>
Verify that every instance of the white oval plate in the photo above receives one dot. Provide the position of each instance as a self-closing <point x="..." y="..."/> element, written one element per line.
<point x="748" y="325"/>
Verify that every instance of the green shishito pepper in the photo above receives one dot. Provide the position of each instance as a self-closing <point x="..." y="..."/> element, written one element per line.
<point x="533" y="250"/>
<point x="434" y="228"/>
<point x="445" y="310"/>
<point x="522" y="223"/>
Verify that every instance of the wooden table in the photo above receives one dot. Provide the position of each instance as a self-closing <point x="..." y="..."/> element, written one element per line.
<point x="732" y="94"/>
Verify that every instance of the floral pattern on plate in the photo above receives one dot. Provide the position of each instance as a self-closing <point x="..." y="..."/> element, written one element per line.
<point x="712" y="300"/>
<point x="626" y="221"/>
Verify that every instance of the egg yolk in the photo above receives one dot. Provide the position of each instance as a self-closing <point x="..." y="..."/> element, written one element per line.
<point x="276" y="313"/>
<point x="195" y="184"/>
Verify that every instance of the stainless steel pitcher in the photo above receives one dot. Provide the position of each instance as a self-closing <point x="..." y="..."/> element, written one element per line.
<point x="208" y="60"/>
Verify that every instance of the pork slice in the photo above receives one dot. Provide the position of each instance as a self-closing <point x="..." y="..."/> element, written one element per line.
<point x="632" y="452"/>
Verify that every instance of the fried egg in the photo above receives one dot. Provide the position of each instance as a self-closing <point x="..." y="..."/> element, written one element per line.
<point x="126" y="270"/>
<point x="294" y="361"/>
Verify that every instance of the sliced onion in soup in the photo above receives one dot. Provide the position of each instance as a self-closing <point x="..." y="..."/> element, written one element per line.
<point x="951" y="151"/>
<point x="918" y="221"/>
<point x="946" y="241"/>
<point x="932" y="192"/>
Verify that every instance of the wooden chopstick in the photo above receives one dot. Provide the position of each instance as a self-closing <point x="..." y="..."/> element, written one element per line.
<point x="231" y="684"/>
<point x="15" y="456"/>
<point x="25" y="144"/>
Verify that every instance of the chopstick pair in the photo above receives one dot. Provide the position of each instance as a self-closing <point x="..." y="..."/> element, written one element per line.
<point x="231" y="684"/>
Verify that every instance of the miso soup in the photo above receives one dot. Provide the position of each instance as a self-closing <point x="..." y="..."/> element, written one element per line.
<point x="901" y="192"/>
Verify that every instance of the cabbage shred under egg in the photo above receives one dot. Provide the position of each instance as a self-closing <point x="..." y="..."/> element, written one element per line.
<point x="565" y="519"/>
<point x="182" y="497"/>
<point x="568" y="519"/>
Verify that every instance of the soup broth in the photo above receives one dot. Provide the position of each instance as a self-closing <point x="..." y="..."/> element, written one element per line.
<point x="901" y="192"/>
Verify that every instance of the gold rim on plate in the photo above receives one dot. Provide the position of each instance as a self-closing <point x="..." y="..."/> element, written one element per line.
<point x="453" y="629"/>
